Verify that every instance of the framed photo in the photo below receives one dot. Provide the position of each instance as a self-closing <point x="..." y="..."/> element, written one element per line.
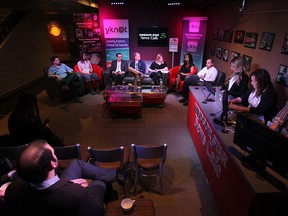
<point x="266" y="41"/>
<point x="284" y="49"/>
<point x="215" y="34"/>
<point x="212" y="50"/>
<point x="228" y="35"/>
<point x="282" y="76"/>
<point x="250" y="39"/>
<point x="219" y="52"/>
<point x="248" y="61"/>
<point x="221" y="35"/>
<point x="234" y="54"/>
<point x="225" y="55"/>
<point x="239" y="36"/>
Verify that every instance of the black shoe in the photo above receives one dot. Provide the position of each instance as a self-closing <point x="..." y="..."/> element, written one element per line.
<point x="168" y="91"/>
<point x="92" y="92"/>
<point x="121" y="175"/>
<point x="97" y="91"/>
<point x="185" y="103"/>
<point x="182" y="100"/>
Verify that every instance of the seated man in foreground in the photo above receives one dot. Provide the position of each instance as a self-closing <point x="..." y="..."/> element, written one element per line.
<point x="41" y="188"/>
<point x="208" y="73"/>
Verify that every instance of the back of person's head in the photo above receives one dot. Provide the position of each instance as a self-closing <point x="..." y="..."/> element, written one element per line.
<point x="52" y="59"/>
<point x="263" y="79"/>
<point x="34" y="162"/>
<point x="239" y="63"/>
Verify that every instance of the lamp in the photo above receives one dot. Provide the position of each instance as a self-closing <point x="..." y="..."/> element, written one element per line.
<point x="174" y="2"/>
<point x="55" y="31"/>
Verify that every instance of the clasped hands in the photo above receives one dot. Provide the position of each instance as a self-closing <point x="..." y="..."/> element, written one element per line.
<point x="118" y="72"/>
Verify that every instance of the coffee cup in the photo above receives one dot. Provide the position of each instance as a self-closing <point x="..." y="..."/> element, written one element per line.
<point x="127" y="204"/>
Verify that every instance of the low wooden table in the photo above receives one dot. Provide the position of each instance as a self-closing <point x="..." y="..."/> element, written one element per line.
<point x="155" y="96"/>
<point x="142" y="207"/>
<point x="123" y="100"/>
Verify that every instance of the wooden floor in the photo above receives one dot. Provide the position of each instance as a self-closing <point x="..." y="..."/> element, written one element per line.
<point x="186" y="191"/>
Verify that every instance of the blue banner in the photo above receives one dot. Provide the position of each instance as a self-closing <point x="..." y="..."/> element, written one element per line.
<point x="193" y="38"/>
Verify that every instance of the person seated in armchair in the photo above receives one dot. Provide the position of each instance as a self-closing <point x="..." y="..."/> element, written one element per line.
<point x="40" y="186"/>
<point x="208" y="73"/>
<point x="118" y="69"/>
<point x="137" y="67"/>
<point x="186" y="67"/>
<point x="85" y="68"/>
<point x="159" y="70"/>
<point x="66" y="75"/>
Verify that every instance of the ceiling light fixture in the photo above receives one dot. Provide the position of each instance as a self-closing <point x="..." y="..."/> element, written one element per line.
<point x="174" y="2"/>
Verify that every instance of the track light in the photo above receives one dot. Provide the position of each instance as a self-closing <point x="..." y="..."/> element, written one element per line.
<point x="243" y="6"/>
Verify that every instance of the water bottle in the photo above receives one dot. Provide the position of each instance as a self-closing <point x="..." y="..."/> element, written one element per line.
<point x="161" y="85"/>
<point x="152" y="86"/>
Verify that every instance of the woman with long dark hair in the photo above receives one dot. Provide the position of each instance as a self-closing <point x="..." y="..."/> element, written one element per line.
<point x="261" y="99"/>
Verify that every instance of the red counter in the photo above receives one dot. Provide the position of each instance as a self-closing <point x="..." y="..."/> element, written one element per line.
<point x="237" y="191"/>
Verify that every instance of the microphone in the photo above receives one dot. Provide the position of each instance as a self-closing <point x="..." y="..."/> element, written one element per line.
<point x="237" y="73"/>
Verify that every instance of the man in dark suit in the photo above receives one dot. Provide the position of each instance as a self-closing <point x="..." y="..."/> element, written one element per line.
<point x="118" y="69"/>
<point x="41" y="188"/>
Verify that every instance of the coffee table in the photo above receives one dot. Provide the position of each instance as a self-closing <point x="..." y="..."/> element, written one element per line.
<point x="124" y="100"/>
<point x="155" y="95"/>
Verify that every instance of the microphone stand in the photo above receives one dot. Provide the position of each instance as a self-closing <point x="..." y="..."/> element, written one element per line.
<point x="223" y="119"/>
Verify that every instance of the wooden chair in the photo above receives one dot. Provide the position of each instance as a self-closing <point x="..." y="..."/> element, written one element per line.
<point x="12" y="153"/>
<point x="113" y="158"/>
<point x="67" y="153"/>
<point x="148" y="161"/>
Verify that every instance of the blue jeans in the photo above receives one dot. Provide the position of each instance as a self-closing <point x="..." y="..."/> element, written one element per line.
<point x="90" y="77"/>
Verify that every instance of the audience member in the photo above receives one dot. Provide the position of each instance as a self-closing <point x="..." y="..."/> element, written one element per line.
<point x="25" y="124"/>
<point x="185" y="68"/>
<point x="279" y="122"/>
<point x="66" y="75"/>
<point x="39" y="186"/>
<point x="260" y="100"/>
<point x="208" y="73"/>
<point x="85" y="67"/>
<point x="159" y="70"/>
<point x="137" y="67"/>
<point x="238" y="81"/>
<point x="118" y="69"/>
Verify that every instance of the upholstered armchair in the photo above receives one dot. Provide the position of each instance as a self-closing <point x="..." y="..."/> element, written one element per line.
<point x="173" y="74"/>
<point x="54" y="90"/>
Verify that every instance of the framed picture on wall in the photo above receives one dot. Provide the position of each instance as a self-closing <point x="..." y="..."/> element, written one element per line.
<point x="282" y="76"/>
<point x="239" y="36"/>
<point x="284" y="49"/>
<point x="228" y="35"/>
<point x="215" y="34"/>
<point x="234" y="54"/>
<point x="225" y="55"/>
<point x="250" y="39"/>
<point x="219" y="52"/>
<point x="266" y="41"/>
<point x="221" y="35"/>
<point x="248" y="61"/>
